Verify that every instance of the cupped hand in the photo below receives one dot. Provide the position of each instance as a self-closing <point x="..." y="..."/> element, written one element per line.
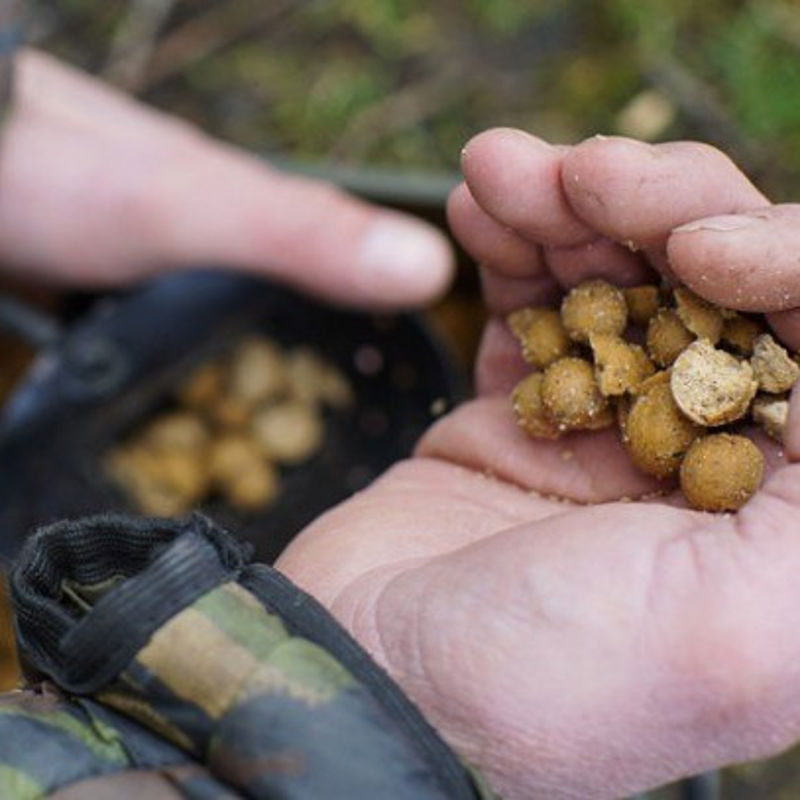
<point x="565" y="621"/>
<point x="97" y="190"/>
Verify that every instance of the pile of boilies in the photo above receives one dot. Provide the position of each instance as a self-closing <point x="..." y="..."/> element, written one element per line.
<point x="678" y="375"/>
<point x="235" y="421"/>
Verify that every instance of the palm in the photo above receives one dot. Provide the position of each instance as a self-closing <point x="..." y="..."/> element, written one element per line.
<point x="565" y="627"/>
<point x="514" y="619"/>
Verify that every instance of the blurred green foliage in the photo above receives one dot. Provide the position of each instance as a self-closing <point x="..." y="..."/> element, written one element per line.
<point x="406" y="82"/>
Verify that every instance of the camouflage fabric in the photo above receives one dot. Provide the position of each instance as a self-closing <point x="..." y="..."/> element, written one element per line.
<point x="184" y="671"/>
<point x="55" y="746"/>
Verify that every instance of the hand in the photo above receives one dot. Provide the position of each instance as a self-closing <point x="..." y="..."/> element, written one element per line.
<point x="570" y="644"/>
<point x="98" y="190"/>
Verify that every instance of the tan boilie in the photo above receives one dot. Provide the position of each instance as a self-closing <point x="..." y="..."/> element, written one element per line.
<point x="571" y="396"/>
<point x="699" y="316"/>
<point x="177" y="430"/>
<point x="240" y="474"/>
<point x="657" y="434"/>
<point x="161" y="483"/>
<point x="257" y="372"/>
<point x="315" y="382"/>
<point x="254" y="489"/>
<point x="721" y="472"/>
<point x="230" y="455"/>
<point x="529" y="410"/>
<point x="710" y="386"/>
<point x="667" y="337"/>
<point x="594" y="307"/>
<point x="541" y="334"/>
<point x="643" y="303"/>
<point x="288" y="433"/>
<point x="620" y="367"/>
<point x="740" y="333"/>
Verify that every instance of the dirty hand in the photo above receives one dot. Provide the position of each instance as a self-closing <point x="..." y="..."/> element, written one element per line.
<point x="98" y="190"/>
<point x="571" y="644"/>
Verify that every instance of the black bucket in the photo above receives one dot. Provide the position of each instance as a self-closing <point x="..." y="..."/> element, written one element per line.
<point x="120" y="361"/>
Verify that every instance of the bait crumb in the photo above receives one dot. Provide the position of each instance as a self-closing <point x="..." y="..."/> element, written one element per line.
<point x="699" y="316"/>
<point x="775" y="371"/>
<point x="771" y="414"/>
<point x="438" y="407"/>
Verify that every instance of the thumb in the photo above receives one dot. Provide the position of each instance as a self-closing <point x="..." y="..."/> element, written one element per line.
<point x="233" y="209"/>
<point x="101" y="190"/>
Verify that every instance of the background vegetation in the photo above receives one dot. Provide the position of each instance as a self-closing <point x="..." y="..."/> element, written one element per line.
<point x="405" y="82"/>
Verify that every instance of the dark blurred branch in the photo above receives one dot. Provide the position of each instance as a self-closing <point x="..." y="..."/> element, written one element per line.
<point x="700" y="104"/>
<point x="398" y="111"/>
<point x="208" y="33"/>
<point x="783" y="21"/>
<point x="135" y="40"/>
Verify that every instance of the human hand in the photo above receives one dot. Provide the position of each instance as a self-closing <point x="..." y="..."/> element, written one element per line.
<point x="99" y="190"/>
<point x="570" y="643"/>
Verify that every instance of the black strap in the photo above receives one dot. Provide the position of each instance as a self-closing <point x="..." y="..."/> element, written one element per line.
<point x="166" y="564"/>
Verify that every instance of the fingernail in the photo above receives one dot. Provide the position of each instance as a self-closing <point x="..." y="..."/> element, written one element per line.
<point x="728" y="222"/>
<point x="405" y="255"/>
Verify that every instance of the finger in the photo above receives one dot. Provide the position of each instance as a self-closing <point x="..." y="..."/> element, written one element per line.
<point x="580" y="467"/>
<point x="106" y="190"/>
<point x="637" y="193"/>
<point x="746" y="261"/>
<point x="488" y="242"/>
<point x="791" y="438"/>
<point x="499" y="366"/>
<point x="303" y="232"/>
<point x="515" y="178"/>
<point x="600" y="258"/>
<point x="503" y="295"/>
<point x="786" y="325"/>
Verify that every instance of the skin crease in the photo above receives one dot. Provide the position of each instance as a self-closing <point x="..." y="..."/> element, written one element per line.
<point x="597" y="644"/>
